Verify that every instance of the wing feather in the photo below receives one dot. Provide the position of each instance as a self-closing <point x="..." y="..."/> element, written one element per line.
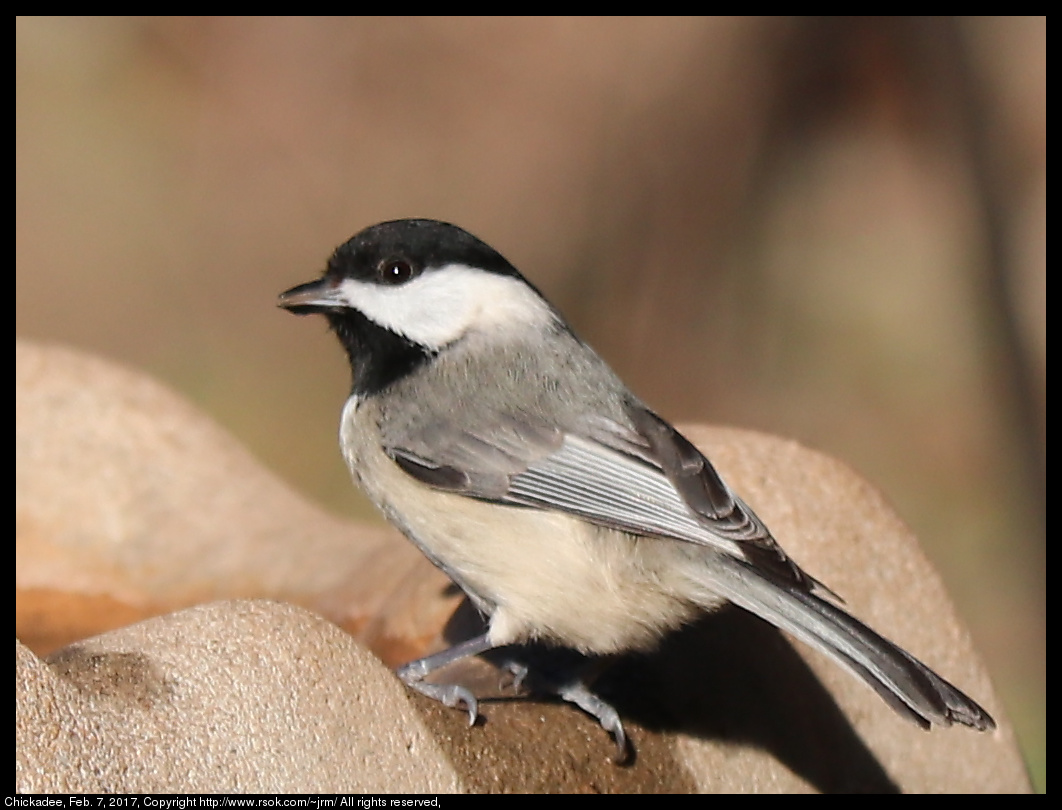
<point x="644" y="479"/>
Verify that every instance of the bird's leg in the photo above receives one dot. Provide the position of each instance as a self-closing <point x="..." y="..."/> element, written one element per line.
<point x="554" y="672"/>
<point x="449" y="694"/>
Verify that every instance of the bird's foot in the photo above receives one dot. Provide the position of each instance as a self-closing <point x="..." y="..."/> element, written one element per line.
<point x="579" y="693"/>
<point x="448" y="694"/>
<point x="566" y="674"/>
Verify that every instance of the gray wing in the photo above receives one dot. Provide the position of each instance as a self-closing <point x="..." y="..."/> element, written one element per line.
<point x="645" y="479"/>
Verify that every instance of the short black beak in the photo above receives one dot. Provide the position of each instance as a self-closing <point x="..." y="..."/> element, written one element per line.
<point x="313" y="296"/>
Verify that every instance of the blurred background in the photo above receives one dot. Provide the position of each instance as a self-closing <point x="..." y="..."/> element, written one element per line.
<point x="832" y="229"/>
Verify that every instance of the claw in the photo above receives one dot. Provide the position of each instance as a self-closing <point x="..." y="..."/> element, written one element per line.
<point x="448" y="694"/>
<point x="519" y="672"/>
<point x="578" y="693"/>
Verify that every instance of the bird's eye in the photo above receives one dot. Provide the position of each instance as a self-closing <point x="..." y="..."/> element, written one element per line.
<point x="394" y="271"/>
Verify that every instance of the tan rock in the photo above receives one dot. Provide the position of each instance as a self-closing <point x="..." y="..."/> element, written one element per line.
<point x="244" y="696"/>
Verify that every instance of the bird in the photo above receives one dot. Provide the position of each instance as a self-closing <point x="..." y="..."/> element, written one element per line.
<point x="570" y="513"/>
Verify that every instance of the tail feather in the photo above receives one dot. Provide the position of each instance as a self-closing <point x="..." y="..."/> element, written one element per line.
<point x="905" y="683"/>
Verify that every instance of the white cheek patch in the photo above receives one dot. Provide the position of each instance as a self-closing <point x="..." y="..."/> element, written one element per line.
<point x="440" y="306"/>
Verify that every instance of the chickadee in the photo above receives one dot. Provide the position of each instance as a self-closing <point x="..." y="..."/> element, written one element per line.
<point x="518" y="463"/>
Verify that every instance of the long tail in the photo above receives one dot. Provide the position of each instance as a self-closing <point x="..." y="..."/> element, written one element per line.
<point x="906" y="684"/>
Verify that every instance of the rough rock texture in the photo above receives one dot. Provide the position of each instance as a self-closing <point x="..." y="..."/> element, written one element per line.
<point x="130" y="504"/>
<point x="232" y="696"/>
